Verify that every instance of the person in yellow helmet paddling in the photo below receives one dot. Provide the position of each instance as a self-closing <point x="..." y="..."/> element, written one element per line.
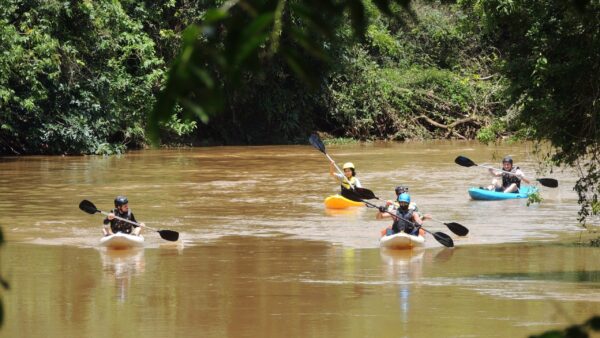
<point x="349" y="177"/>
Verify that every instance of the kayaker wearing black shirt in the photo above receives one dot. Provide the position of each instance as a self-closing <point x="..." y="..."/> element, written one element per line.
<point x="409" y="221"/>
<point x="121" y="210"/>
<point x="504" y="182"/>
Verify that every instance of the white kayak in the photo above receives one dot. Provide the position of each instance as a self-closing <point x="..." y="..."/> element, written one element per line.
<point x="401" y="241"/>
<point x="122" y="241"/>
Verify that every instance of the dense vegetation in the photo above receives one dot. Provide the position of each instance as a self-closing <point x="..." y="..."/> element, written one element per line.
<point x="82" y="77"/>
<point x="551" y="57"/>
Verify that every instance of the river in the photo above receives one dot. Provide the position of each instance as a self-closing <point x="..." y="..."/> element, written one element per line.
<point x="259" y="255"/>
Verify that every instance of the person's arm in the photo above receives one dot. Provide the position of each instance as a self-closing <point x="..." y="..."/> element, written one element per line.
<point x="357" y="185"/>
<point x="332" y="172"/>
<point x="106" y="230"/>
<point x="417" y="219"/>
<point x="382" y="215"/>
<point x="521" y="176"/>
<point x="494" y="173"/>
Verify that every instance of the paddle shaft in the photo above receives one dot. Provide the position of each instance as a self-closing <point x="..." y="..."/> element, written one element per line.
<point x="126" y="220"/>
<point x="501" y="170"/>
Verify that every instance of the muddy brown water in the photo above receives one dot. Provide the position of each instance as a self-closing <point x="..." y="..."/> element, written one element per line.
<point x="259" y="255"/>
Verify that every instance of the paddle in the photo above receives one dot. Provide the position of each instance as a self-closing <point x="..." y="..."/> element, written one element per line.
<point x="91" y="209"/>
<point x="366" y="194"/>
<point x="456" y="228"/>
<point x="363" y="193"/>
<point x="441" y="237"/>
<point x="465" y="162"/>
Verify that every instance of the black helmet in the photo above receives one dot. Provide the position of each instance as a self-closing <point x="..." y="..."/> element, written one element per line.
<point x="120" y="200"/>
<point x="401" y="189"/>
<point x="507" y="159"/>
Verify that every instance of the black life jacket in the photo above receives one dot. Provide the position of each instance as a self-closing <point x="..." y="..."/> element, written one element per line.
<point x="510" y="179"/>
<point x="121" y="226"/>
<point x="400" y="225"/>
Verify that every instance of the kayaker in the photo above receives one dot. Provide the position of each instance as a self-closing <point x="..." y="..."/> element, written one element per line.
<point x="408" y="220"/>
<point x="505" y="182"/>
<point x="393" y="205"/>
<point x="349" y="173"/>
<point x="121" y="210"/>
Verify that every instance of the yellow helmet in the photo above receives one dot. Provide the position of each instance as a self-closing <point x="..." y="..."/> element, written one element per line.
<point x="348" y="165"/>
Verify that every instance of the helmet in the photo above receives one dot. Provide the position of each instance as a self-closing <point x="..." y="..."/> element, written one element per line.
<point x="507" y="159"/>
<point x="404" y="197"/>
<point x="401" y="189"/>
<point x="348" y="165"/>
<point x="120" y="200"/>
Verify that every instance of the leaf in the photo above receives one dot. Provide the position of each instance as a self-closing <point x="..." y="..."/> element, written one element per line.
<point x="196" y="109"/>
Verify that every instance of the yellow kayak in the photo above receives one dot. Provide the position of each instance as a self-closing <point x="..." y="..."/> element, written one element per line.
<point x="341" y="202"/>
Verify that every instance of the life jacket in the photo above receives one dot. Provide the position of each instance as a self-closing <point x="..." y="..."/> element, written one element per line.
<point x="400" y="225"/>
<point x="121" y="226"/>
<point x="345" y="184"/>
<point x="510" y="179"/>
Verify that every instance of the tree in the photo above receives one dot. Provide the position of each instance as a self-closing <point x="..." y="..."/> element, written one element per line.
<point x="551" y="55"/>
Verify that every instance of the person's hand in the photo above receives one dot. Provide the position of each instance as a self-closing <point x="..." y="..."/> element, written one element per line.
<point x="426" y="217"/>
<point x="110" y="216"/>
<point x="382" y="208"/>
<point x="388" y="203"/>
<point x="142" y="224"/>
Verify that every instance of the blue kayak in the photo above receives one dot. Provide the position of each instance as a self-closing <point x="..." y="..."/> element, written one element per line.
<point x="487" y="195"/>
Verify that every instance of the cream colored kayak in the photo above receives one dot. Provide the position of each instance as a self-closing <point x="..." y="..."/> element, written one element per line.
<point x="122" y="241"/>
<point x="341" y="202"/>
<point x="401" y="241"/>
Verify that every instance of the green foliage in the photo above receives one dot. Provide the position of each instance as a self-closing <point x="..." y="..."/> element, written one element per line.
<point x="534" y="198"/>
<point x="77" y="77"/>
<point x="235" y="40"/>
<point x="550" y="55"/>
<point x="491" y="132"/>
<point x="82" y="77"/>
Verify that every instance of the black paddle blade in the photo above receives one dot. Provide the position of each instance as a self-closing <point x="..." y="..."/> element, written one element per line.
<point x="548" y="182"/>
<point x="444" y="239"/>
<point x="351" y="195"/>
<point x="359" y="194"/>
<point x="365" y="194"/>
<point x="463" y="161"/>
<point x="457" y="228"/>
<point x="315" y="140"/>
<point x="169" y="235"/>
<point x="88" y="207"/>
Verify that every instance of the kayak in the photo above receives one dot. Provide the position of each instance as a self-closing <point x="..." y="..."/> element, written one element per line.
<point x="122" y="241"/>
<point x="341" y="202"/>
<point x="487" y="195"/>
<point x="401" y="241"/>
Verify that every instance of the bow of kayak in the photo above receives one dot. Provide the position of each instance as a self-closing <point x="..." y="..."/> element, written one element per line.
<point x="488" y="195"/>
<point x="401" y="241"/>
<point x="341" y="202"/>
<point x="122" y="241"/>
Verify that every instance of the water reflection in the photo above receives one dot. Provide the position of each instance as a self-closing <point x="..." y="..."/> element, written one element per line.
<point x="120" y="267"/>
<point x="403" y="267"/>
